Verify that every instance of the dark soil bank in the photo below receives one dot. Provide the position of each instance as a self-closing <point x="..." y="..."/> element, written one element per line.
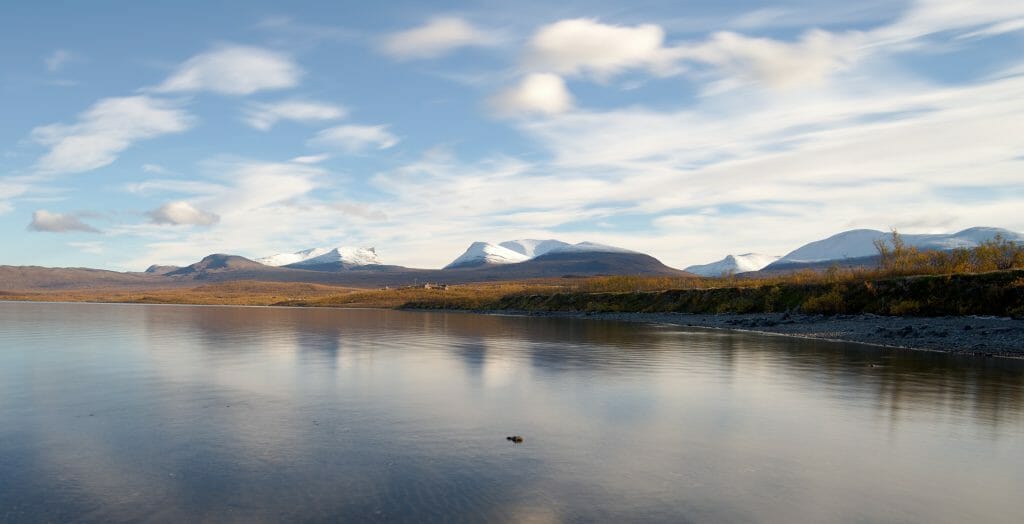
<point x="972" y="335"/>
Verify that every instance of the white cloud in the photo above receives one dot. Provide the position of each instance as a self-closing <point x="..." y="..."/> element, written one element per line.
<point x="354" y="138"/>
<point x="8" y="190"/>
<point x="586" y="46"/>
<point x="807" y="62"/>
<point x="600" y="51"/>
<point x="192" y="187"/>
<point x="181" y="212"/>
<point x="265" y="116"/>
<point x="45" y="221"/>
<point x="543" y="93"/>
<point x="927" y="17"/>
<point x="155" y="168"/>
<point x="439" y="36"/>
<point x="57" y="59"/>
<point x="998" y="28"/>
<point x="310" y="159"/>
<point x="106" y="129"/>
<point x="234" y="70"/>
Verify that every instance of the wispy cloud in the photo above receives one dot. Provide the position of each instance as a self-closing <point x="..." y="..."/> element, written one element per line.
<point x="155" y="168"/>
<point x="439" y="36"/>
<point x="265" y="116"/>
<point x="58" y="59"/>
<point x="234" y="70"/>
<point x="45" y="221"/>
<point x="105" y="130"/>
<point x="289" y="32"/>
<point x="310" y="159"/>
<point x="9" y="190"/>
<point x="354" y="138"/>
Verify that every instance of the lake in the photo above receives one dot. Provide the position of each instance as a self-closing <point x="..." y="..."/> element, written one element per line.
<point x="230" y="414"/>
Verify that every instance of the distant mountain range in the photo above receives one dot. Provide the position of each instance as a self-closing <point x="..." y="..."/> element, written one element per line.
<point x="482" y="261"/>
<point x="855" y="248"/>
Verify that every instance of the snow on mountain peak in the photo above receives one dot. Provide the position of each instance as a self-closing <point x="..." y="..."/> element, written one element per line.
<point x="590" y="247"/>
<point x="733" y="264"/>
<point x="480" y="253"/>
<point x="515" y="251"/>
<point x="532" y="247"/>
<point x="347" y="256"/>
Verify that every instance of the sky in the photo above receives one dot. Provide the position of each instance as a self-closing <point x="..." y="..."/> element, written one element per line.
<point x="139" y="133"/>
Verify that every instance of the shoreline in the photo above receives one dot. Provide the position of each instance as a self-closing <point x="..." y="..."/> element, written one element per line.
<point x="963" y="335"/>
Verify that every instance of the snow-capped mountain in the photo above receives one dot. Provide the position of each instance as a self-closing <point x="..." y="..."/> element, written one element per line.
<point x="346" y="256"/>
<point x="515" y="251"/>
<point x="861" y="243"/>
<point x="533" y="247"/>
<point x="733" y="264"/>
<point x="481" y="253"/>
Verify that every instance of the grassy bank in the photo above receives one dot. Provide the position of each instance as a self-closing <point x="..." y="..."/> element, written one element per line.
<point x="999" y="293"/>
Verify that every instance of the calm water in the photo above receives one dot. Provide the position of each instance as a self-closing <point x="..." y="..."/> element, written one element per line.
<point x="167" y="413"/>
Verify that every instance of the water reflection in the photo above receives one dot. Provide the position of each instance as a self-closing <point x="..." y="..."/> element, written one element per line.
<point x="174" y="413"/>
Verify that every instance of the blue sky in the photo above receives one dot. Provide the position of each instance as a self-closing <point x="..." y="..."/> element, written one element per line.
<point x="136" y="133"/>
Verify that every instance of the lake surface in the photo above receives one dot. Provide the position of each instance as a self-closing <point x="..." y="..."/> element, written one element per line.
<point x="177" y="413"/>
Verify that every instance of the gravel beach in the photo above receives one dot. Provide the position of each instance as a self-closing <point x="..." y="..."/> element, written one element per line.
<point x="968" y="335"/>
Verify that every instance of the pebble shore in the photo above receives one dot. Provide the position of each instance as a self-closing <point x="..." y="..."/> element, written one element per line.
<point x="966" y="335"/>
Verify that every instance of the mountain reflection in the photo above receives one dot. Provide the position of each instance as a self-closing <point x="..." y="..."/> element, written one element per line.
<point x="985" y="389"/>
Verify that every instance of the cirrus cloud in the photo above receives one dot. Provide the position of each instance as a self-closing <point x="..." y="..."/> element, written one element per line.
<point x="106" y="129"/>
<point x="265" y="116"/>
<point x="234" y="70"/>
<point x="354" y="138"/>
